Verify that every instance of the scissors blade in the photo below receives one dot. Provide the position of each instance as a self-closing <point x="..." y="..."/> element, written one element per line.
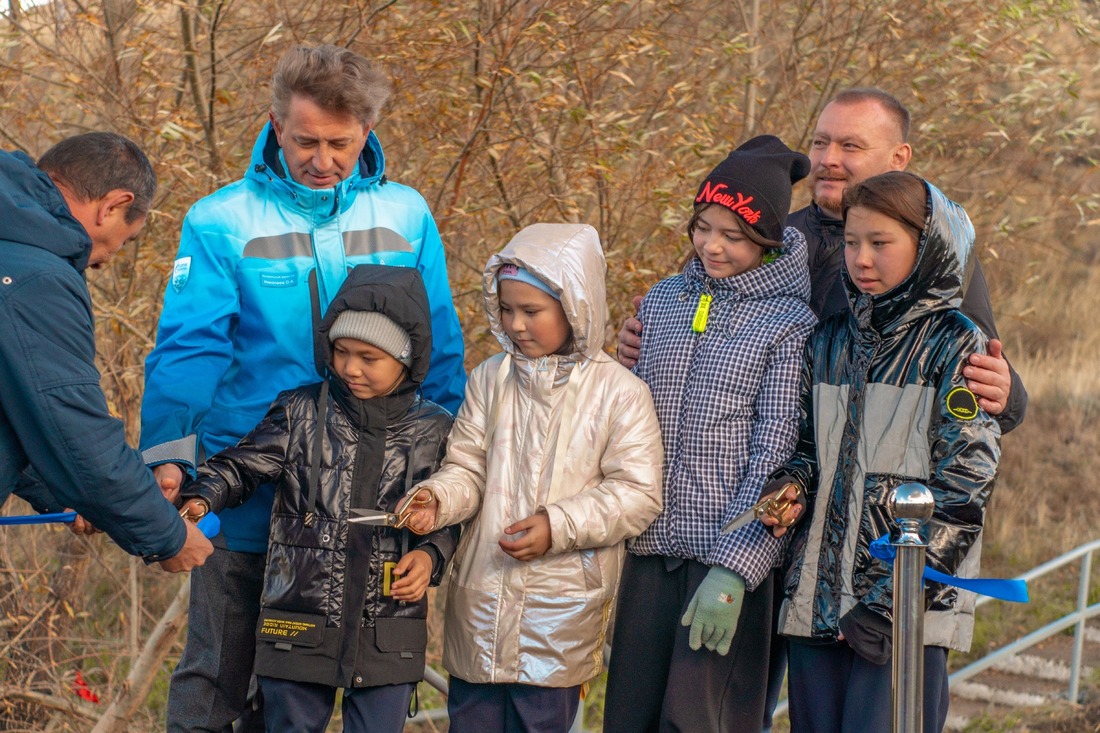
<point x="741" y="520"/>
<point x="374" y="517"/>
<point x="774" y="504"/>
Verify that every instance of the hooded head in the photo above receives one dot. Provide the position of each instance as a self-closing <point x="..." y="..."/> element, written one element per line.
<point x="376" y="329"/>
<point x="386" y="307"/>
<point x="567" y="261"/>
<point x="945" y="249"/>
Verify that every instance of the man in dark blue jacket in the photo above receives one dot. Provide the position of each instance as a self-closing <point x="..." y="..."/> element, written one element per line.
<point x="87" y="197"/>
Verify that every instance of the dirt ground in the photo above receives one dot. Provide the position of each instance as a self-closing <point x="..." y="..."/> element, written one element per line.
<point x="1084" y="719"/>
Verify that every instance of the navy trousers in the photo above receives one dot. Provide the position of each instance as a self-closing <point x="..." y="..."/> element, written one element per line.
<point x="510" y="708"/>
<point x="304" y="707"/>
<point x="209" y="687"/>
<point x="834" y="690"/>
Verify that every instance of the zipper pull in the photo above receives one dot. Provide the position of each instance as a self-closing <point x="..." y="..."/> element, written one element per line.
<point x="702" y="313"/>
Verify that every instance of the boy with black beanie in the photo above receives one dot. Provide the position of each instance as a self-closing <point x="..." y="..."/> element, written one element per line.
<point x="344" y="603"/>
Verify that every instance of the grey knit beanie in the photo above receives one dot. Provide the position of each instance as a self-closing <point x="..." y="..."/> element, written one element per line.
<point x="376" y="329"/>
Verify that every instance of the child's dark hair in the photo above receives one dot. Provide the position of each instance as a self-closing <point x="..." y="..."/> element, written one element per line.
<point x="899" y="195"/>
<point x="747" y="229"/>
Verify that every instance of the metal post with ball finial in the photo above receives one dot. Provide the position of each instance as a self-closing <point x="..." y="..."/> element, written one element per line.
<point x="910" y="506"/>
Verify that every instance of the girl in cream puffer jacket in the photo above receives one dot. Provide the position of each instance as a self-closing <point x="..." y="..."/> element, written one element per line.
<point x="571" y="435"/>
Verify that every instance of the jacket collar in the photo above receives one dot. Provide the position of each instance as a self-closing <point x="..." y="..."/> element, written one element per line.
<point x="35" y="213"/>
<point x="376" y="412"/>
<point x="268" y="167"/>
<point x="826" y="226"/>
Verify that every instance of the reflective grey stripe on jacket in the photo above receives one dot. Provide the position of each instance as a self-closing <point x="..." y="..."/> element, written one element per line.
<point x="893" y="440"/>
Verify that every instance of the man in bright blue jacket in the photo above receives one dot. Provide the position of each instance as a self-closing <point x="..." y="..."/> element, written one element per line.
<point x="259" y="260"/>
<point x="60" y="446"/>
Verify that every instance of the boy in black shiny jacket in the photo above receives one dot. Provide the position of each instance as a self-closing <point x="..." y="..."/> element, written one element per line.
<point x="343" y="603"/>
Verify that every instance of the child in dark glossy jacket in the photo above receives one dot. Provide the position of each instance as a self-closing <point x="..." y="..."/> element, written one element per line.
<point x="884" y="402"/>
<point x="343" y="603"/>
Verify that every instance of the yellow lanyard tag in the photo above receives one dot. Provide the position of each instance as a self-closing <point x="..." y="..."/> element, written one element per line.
<point x="699" y="323"/>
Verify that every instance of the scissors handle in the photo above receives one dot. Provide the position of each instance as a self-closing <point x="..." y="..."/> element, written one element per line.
<point x="776" y="504"/>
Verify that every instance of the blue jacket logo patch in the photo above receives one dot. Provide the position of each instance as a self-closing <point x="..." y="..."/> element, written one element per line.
<point x="180" y="272"/>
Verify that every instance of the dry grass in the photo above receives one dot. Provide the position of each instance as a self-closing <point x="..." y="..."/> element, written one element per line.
<point x="1045" y="502"/>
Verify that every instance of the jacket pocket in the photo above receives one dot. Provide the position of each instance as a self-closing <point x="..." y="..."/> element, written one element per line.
<point x="400" y="635"/>
<point x="593" y="572"/>
<point x="304" y="572"/>
<point x="287" y="629"/>
<point x="290" y="529"/>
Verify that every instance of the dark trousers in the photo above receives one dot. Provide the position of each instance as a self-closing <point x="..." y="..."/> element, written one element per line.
<point x="777" y="661"/>
<point x="834" y="690"/>
<point x="510" y="708"/>
<point x="305" y="707"/>
<point x="656" y="683"/>
<point x="209" y="687"/>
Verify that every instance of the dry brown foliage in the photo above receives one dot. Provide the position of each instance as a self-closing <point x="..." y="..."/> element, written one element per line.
<point x="509" y="112"/>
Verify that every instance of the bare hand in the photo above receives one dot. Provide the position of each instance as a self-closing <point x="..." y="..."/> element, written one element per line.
<point x="987" y="376"/>
<point x="630" y="338"/>
<point x="415" y="570"/>
<point x="794" y="512"/>
<point x="532" y="545"/>
<point x="169" y="477"/>
<point x="422" y="509"/>
<point x="81" y="526"/>
<point x="196" y="548"/>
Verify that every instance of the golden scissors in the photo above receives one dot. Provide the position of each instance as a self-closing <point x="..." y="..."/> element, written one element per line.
<point x="774" y="505"/>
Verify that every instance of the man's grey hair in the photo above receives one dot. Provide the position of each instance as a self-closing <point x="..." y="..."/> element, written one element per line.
<point x="888" y="101"/>
<point x="335" y="79"/>
<point x="93" y="164"/>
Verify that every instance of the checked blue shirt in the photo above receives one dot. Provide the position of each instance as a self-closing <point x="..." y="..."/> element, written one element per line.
<point x="727" y="402"/>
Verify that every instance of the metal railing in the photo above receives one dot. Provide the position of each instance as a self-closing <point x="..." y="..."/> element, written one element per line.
<point x="1077" y="618"/>
<point x="1082" y="613"/>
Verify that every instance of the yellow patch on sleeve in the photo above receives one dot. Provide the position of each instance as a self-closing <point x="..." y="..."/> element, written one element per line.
<point x="962" y="403"/>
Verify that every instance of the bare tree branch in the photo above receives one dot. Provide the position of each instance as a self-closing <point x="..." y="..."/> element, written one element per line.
<point x="143" y="673"/>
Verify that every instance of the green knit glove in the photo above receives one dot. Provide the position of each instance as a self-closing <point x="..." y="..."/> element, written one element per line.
<point x="714" y="609"/>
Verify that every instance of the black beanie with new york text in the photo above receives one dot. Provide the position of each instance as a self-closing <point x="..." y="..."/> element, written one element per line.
<point x="754" y="182"/>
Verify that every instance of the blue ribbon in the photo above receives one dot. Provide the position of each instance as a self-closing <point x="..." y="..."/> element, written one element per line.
<point x="210" y="525"/>
<point x="38" y="518"/>
<point x="1005" y="590"/>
